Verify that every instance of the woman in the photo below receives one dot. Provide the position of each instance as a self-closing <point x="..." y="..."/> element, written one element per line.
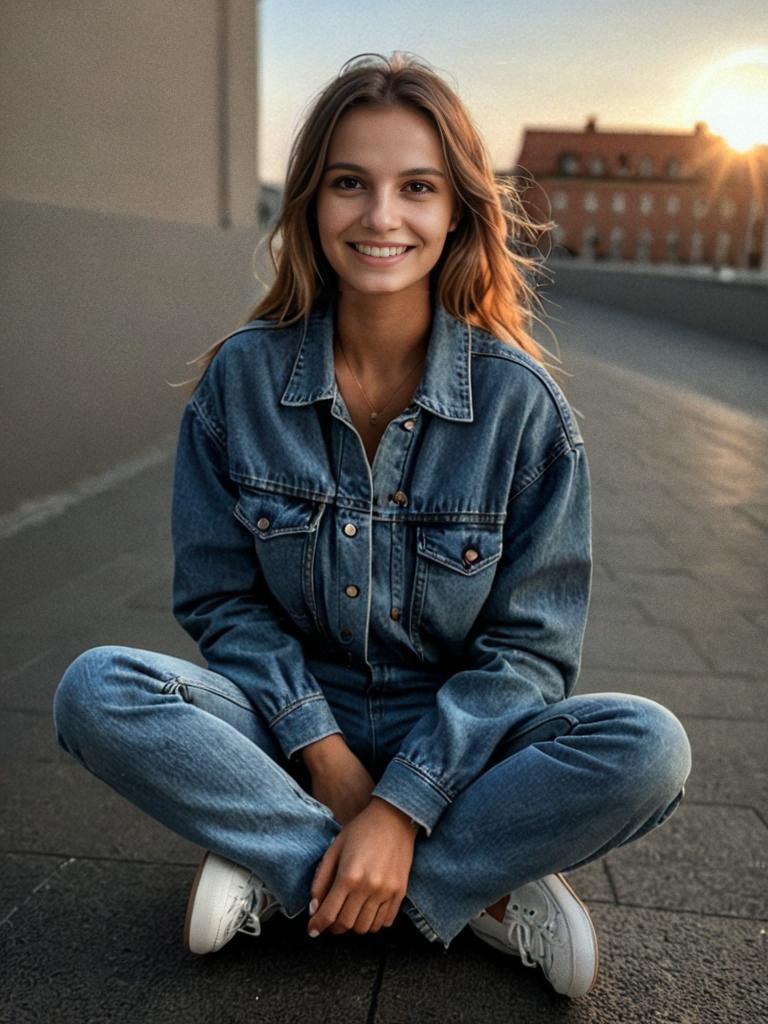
<point x="381" y="524"/>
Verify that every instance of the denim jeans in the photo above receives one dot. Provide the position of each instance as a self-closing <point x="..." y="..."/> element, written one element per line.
<point x="186" y="746"/>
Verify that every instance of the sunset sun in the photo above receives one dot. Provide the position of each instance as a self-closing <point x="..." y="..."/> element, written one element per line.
<point x="732" y="97"/>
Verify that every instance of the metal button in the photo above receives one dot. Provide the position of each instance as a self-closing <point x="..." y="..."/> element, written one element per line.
<point x="263" y="523"/>
<point x="409" y="424"/>
<point x="350" y="529"/>
<point x="470" y="555"/>
<point x="400" y="498"/>
<point x="351" y="590"/>
<point x="346" y="634"/>
<point x="394" y="613"/>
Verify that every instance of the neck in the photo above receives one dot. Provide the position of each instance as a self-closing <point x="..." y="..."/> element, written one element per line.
<point x="383" y="335"/>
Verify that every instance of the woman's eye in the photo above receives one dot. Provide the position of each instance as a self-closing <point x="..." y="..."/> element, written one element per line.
<point x="422" y="187"/>
<point x="347" y="183"/>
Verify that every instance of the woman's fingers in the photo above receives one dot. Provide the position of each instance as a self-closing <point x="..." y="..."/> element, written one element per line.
<point x="324" y="876"/>
<point x="383" y="914"/>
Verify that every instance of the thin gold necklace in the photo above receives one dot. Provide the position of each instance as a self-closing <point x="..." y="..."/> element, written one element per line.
<point x="374" y="415"/>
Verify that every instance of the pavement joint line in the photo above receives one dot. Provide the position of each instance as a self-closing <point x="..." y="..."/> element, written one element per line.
<point x="611" y="881"/>
<point x="377" y="986"/>
<point x="36" y="890"/>
<point x="70" y="858"/>
<point x="51" y="506"/>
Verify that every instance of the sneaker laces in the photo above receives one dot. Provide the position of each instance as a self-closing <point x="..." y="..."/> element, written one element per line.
<point x="252" y="902"/>
<point x="536" y="937"/>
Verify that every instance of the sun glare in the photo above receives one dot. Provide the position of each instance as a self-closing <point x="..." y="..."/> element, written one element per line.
<point x="732" y="97"/>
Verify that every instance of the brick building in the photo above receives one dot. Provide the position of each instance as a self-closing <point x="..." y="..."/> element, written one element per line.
<point x="648" y="196"/>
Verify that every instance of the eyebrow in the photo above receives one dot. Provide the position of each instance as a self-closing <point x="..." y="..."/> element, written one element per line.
<point x="341" y="166"/>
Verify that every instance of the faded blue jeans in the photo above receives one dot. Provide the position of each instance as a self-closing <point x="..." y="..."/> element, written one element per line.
<point x="185" y="745"/>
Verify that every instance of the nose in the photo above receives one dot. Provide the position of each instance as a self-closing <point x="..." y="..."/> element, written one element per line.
<point x="381" y="211"/>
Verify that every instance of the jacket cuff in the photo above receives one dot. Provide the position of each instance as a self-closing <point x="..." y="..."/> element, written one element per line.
<point x="304" y="722"/>
<point x="413" y="792"/>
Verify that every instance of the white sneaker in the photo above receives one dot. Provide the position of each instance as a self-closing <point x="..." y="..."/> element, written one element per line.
<point x="546" y="923"/>
<point x="226" y="898"/>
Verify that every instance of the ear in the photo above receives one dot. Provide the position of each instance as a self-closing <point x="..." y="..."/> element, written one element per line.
<point x="454" y="220"/>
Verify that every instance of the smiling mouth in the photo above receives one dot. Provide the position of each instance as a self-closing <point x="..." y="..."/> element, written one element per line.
<point x="380" y="251"/>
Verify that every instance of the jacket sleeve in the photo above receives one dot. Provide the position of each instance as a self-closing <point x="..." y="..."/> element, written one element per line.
<point x="524" y="650"/>
<point x="220" y="597"/>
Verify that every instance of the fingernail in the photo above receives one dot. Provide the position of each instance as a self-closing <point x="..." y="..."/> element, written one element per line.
<point x="313" y="907"/>
<point x="313" y="934"/>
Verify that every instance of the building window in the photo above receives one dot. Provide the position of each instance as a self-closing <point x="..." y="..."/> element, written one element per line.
<point x="727" y="207"/>
<point x="591" y="202"/>
<point x="559" y="235"/>
<point x="699" y="208"/>
<point x="596" y="166"/>
<point x="559" y="201"/>
<point x="672" y="247"/>
<point x="569" y="163"/>
<point x="623" y="167"/>
<point x="697" y="247"/>
<point x="644" y="245"/>
<point x="673" y="168"/>
<point x="673" y="204"/>
<point x="722" y="247"/>
<point x="589" y="243"/>
<point x="645" y="167"/>
<point x="646" y="203"/>
<point x="617" y="243"/>
<point x="619" y="202"/>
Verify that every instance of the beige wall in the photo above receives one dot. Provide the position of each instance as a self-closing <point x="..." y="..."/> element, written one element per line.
<point x="144" y="108"/>
<point x="128" y="202"/>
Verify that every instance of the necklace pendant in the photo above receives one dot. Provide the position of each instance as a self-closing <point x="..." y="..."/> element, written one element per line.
<point x="372" y="418"/>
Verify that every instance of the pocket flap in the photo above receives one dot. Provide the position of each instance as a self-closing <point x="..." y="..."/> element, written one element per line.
<point x="268" y="514"/>
<point x="464" y="547"/>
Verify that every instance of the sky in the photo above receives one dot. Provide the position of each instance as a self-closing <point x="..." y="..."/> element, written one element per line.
<point x="633" y="65"/>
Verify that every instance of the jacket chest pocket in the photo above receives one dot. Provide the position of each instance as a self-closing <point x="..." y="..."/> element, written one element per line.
<point x="455" y="567"/>
<point x="284" y="530"/>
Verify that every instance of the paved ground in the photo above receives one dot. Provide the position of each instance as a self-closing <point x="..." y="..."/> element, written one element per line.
<point x="93" y="893"/>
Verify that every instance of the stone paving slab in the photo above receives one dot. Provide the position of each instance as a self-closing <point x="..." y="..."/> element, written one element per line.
<point x="655" y="966"/>
<point x="634" y="647"/>
<point x="58" y="808"/>
<point x="721" y="697"/>
<point x="706" y="858"/>
<point x="124" y="959"/>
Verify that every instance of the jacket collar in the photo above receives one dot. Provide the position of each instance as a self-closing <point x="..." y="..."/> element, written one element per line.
<point x="446" y="384"/>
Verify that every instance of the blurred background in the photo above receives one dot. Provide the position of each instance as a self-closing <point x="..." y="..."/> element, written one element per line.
<point x="144" y="146"/>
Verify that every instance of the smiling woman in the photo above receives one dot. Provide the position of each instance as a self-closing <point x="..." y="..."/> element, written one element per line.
<point x="382" y="538"/>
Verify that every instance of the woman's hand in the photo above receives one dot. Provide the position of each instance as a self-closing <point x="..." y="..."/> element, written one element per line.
<point x="339" y="778"/>
<point x="363" y="876"/>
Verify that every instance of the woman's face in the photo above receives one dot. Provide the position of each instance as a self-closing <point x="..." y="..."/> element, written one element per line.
<point x="385" y="204"/>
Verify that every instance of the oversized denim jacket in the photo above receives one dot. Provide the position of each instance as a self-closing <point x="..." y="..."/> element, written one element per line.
<point x="463" y="555"/>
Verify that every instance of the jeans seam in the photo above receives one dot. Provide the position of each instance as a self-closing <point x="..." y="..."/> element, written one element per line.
<point x="209" y="689"/>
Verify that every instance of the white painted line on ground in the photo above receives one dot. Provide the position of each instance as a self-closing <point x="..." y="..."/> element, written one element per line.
<point x="39" y="510"/>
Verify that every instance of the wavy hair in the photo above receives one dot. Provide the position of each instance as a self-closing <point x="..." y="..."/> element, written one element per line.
<point x="484" y="276"/>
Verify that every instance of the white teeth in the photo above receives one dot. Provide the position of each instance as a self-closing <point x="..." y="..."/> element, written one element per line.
<point x="375" y="250"/>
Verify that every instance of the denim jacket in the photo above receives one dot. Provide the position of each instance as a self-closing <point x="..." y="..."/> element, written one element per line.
<point x="463" y="554"/>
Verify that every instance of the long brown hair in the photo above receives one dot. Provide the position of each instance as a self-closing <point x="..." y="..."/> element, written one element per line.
<point x="481" y="277"/>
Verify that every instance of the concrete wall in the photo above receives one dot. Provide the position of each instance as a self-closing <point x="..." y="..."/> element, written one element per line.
<point x="735" y="306"/>
<point x="99" y="312"/>
<point x="141" y="108"/>
<point x="128" y="198"/>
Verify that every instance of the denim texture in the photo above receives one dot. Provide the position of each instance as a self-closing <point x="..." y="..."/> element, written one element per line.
<point x="188" y="747"/>
<point x="467" y="543"/>
<point x="431" y="608"/>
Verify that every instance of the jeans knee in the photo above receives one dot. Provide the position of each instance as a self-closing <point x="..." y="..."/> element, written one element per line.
<point x="661" y="752"/>
<point x="81" y="690"/>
